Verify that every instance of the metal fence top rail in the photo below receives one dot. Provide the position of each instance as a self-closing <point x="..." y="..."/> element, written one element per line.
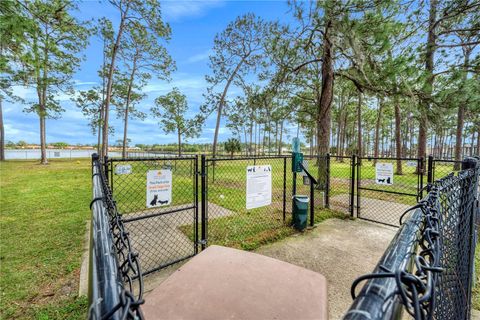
<point x="249" y="158"/>
<point x="388" y="158"/>
<point x="113" y="265"/>
<point x="152" y="159"/>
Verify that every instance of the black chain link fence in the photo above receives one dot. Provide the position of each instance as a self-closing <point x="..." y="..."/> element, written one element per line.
<point x="115" y="276"/>
<point x="164" y="228"/>
<point x="428" y="268"/>
<point x="231" y="220"/>
<point x="393" y="183"/>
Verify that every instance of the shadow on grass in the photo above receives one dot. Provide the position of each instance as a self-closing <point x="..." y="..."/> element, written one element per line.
<point x="248" y="231"/>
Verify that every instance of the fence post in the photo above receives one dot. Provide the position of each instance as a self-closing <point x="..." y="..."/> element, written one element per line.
<point x="327" y="186"/>
<point x="195" y="174"/>
<point x="471" y="163"/>
<point x="429" y="172"/>
<point x="284" y="187"/>
<point x="203" y="164"/>
<point x="422" y="172"/>
<point x="358" y="181"/>
<point x="352" y="184"/>
<point x="312" y="203"/>
<point x="105" y="167"/>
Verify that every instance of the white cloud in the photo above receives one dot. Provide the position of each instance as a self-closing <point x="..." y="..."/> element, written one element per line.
<point x="221" y="130"/>
<point x="23" y="92"/>
<point x="200" y="56"/>
<point x="175" y="10"/>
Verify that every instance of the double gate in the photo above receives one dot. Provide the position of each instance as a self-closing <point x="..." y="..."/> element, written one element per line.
<point x="200" y="198"/>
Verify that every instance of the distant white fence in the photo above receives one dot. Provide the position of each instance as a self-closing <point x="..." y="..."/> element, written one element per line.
<point x="19" y="154"/>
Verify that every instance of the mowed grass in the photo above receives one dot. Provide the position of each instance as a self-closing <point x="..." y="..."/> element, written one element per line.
<point x="42" y="227"/>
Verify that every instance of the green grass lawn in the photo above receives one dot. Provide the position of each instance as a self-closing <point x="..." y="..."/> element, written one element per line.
<point x="42" y="224"/>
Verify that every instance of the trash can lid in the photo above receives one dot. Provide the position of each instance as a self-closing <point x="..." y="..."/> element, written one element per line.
<point x="300" y="198"/>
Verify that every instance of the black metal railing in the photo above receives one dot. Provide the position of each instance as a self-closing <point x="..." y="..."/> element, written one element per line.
<point x="115" y="278"/>
<point x="427" y="270"/>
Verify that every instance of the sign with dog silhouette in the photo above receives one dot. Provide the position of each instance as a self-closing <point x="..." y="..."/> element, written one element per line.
<point x="159" y="188"/>
<point x="123" y="169"/>
<point x="384" y="173"/>
<point x="259" y="186"/>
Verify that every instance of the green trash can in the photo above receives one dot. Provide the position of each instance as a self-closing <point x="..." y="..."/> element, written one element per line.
<point x="300" y="212"/>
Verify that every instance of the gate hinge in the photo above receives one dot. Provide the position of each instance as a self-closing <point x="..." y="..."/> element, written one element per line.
<point x="203" y="242"/>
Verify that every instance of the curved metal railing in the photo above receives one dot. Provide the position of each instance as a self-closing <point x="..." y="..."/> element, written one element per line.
<point x="115" y="277"/>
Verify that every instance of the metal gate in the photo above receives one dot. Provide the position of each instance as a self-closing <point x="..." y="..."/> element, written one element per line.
<point x="163" y="229"/>
<point x="224" y="201"/>
<point x="387" y="187"/>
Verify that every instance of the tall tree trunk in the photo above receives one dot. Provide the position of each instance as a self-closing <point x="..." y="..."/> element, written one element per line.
<point x="471" y="144"/>
<point x="255" y="137"/>
<point x="125" y="127"/>
<point x="377" y="129"/>
<point x="2" y="133"/>
<point x="179" y="143"/>
<point x="326" y="96"/>
<point x="478" y="142"/>
<point x="281" y="136"/>
<point x="359" y="125"/>
<point x="222" y="102"/>
<point x="250" y="148"/>
<point x="428" y="88"/>
<point x="43" y="140"/>
<point x="127" y="107"/>
<point x="108" y="95"/>
<point x="398" y="138"/>
<point x="99" y="134"/>
<point x="461" y="115"/>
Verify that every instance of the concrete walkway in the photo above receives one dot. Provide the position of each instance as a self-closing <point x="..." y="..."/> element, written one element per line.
<point x="341" y="250"/>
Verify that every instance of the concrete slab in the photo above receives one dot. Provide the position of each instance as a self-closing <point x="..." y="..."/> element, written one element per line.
<point x="341" y="250"/>
<point x="225" y="283"/>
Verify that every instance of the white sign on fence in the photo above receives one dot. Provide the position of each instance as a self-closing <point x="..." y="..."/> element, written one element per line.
<point x="305" y="165"/>
<point x="159" y="188"/>
<point x="123" y="169"/>
<point x="259" y="186"/>
<point x="384" y="173"/>
<point x="411" y="163"/>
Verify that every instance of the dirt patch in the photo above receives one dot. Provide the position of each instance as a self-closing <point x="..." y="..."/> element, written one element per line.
<point x="341" y="250"/>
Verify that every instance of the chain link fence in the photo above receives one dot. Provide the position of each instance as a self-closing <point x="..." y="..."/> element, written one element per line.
<point x="115" y="276"/>
<point x="428" y="269"/>
<point x="393" y="183"/>
<point x="158" y="198"/>
<point x="234" y="222"/>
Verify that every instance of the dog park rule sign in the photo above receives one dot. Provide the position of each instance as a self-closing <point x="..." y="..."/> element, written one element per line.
<point x="384" y="173"/>
<point x="259" y="186"/>
<point x="159" y="188"/>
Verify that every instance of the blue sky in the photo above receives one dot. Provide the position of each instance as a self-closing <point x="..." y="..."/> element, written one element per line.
<point x="194" y="25"/>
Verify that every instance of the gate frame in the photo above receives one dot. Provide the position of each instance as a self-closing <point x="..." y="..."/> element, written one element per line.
<point x="108" y="167"/>
<point x="357" y="163"/>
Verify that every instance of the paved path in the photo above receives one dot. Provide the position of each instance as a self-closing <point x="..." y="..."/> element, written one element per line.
<point x="372" y="209"/>
<point x="341" y="250"/>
